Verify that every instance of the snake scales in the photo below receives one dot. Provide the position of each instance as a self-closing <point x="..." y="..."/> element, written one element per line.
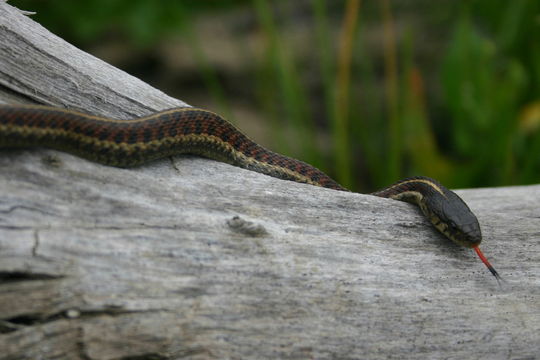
<point x="127" y="143"/>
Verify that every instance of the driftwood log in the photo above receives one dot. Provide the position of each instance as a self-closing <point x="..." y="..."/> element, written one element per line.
<point x="192" y="258"/>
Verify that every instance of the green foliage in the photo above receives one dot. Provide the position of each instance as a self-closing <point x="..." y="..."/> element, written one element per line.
<point x="488" y="80"/>
<point x="144" y="21"/>
<point x="281" y="72"/>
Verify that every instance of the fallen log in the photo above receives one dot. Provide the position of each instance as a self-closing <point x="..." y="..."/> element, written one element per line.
<point x="178" y="258"/>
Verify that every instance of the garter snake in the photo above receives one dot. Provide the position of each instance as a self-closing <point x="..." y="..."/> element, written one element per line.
<point x="126" y="143"/>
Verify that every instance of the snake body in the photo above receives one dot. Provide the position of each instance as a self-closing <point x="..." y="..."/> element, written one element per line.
<point x="128" y="143"/>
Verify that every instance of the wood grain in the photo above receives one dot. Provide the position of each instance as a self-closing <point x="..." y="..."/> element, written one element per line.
<point x="180" y="259"/>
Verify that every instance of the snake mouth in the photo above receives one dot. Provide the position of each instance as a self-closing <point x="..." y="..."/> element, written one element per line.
<point x="465" y="240"/>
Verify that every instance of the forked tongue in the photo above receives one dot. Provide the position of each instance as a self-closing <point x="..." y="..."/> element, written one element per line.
<point x="488" y="265"/>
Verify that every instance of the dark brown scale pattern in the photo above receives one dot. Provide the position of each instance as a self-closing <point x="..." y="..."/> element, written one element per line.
<point x="175" y="131"/>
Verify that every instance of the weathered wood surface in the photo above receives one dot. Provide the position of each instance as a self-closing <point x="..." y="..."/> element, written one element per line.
<point x="105" y="263"/>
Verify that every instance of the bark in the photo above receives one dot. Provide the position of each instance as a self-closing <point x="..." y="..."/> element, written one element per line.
<point x="180" y="259"/>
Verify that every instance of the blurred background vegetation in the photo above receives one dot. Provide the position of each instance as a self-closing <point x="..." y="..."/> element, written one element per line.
<point x="369" y="91"/>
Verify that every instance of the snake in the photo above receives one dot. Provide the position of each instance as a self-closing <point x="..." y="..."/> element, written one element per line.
<point x="188" y="130"/>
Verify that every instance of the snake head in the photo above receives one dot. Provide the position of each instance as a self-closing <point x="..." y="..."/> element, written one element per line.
<point x="452" y="217"/>
<point x="444" y="208"/>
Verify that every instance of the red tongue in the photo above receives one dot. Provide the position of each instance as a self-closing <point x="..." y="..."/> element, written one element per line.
<point x="486" y="262"/>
